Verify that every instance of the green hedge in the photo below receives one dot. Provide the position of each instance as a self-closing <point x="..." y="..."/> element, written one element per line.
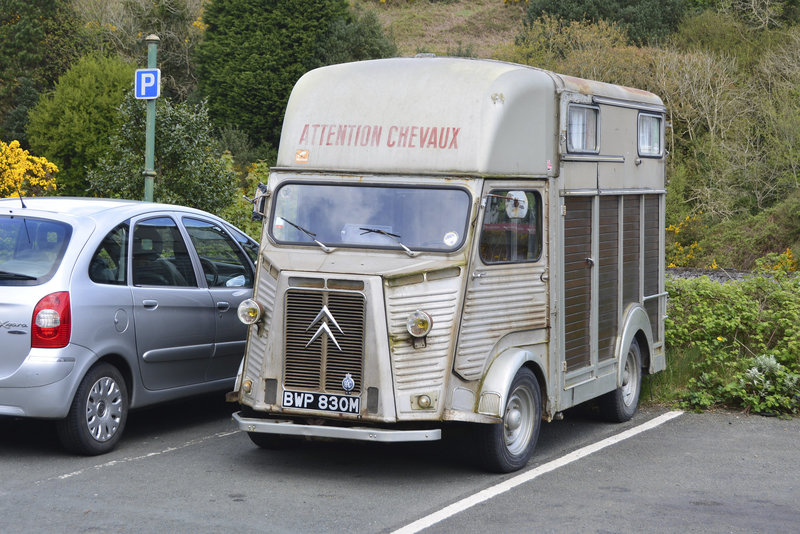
<point x="735" y="344"/>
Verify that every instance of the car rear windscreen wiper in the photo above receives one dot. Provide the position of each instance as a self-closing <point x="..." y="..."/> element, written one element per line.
<point x="5" y="275"/>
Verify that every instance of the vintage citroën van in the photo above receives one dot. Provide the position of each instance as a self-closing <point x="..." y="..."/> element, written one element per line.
<point x="455" y="240"/>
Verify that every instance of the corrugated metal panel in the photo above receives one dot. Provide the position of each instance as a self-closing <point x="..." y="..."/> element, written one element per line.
<point x="608" y="273"/>
<point x="424" y="367"/>
<point x="507" y="299"/>
<point x="577" y="281"/>
<point x="257" y="347"/>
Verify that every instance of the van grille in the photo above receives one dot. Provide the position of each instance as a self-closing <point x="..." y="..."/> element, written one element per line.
<point x="320" y="365"/>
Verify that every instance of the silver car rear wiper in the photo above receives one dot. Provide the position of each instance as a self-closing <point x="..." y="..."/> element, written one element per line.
<point x="5" y="275"/>
<point x="311" y="235"/>
<point x="394" y="237"/>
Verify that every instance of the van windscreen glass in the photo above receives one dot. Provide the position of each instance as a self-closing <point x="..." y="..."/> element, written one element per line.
<point x="372" y="216"/>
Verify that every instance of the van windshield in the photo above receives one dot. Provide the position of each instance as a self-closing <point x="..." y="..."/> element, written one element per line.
<point x="372" y="216"/>
<point x="30" y="249"/>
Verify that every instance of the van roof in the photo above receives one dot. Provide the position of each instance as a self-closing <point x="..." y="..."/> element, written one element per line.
<point x="442" y="115"/>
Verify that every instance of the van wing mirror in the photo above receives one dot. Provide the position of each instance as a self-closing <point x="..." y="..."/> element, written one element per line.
<point x="260" y="202"/>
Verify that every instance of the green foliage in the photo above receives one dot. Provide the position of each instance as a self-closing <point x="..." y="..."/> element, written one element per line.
<point x="120" y="27"/>
<point x="39" y="39"/>
<point x="72" y="125"/>
<point x="548" y="42"/>
<point x="743" y="340"/>
<point x="252" y="54"/>
<point x="254" y="51"/>
<point x="645" y="21"/>
<point x="738" y="243"/>
<point x="356" y="37"/>
<point x="190" y="169"/>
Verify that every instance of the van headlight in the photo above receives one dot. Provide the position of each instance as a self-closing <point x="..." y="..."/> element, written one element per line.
<point x="419" y="324"/>
<point x="249" y="311"/>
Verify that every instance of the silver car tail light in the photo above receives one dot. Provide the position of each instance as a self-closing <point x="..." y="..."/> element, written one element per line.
<point x="52" y="321"/>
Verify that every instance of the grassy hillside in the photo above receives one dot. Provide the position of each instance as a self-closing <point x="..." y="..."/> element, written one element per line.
<point x="455" y="27"/>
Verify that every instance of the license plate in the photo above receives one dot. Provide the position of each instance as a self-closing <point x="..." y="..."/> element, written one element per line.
<point x="321" y="401"/>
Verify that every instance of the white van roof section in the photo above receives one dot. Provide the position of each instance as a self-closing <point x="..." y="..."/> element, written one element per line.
<point x="448" y="115"/>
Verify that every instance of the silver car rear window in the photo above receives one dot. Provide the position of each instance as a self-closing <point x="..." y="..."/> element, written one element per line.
<point x="31" y="249"/>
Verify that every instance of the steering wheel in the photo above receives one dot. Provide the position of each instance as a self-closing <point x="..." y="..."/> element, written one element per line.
<point x="210" y="271"/>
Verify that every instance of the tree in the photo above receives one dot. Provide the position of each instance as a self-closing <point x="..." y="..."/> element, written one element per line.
<point x="72" y="125"/>
<point x="120" y="27"/>
<point x="39" y="40"/>
<point x="22" y="174"/>
<point x="253" y="52"/>
<point x="189" y="166"/>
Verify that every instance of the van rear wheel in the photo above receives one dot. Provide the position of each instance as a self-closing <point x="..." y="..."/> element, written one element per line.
<point x="508" y="446"/>
<point x="620" y="405"/>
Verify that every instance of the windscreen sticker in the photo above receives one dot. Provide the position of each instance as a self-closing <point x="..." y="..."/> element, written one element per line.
<point x="450" y="239"/>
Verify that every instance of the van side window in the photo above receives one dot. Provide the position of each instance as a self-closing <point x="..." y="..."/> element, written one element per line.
<point x="511" y="230"/>
<point x="109" y="264"/>
<point x="582" y="129"/>
<point x="650" y="143"/>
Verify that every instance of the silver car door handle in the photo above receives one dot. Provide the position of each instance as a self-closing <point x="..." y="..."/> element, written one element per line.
<point x="150" y="304"/>
<point x="223" y="306"/>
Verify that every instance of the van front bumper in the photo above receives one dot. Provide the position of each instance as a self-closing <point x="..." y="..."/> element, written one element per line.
<point x="291" y="428"/>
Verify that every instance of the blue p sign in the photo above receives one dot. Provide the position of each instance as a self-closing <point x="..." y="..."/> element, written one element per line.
<point x="148" y="83"/>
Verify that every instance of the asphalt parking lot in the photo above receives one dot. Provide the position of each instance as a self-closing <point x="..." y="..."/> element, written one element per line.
<point x="185" y="468"/>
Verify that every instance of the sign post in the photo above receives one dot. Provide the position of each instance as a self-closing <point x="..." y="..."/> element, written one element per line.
<point x="148" y="86"/>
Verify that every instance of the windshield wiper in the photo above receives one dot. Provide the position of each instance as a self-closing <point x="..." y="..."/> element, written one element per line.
<point x="394" y="237"/>
<point x="5" y="275"/>
<point x="311" y="235"/>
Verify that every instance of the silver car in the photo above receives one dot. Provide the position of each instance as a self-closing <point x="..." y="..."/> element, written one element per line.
<point x="109" y="305"/>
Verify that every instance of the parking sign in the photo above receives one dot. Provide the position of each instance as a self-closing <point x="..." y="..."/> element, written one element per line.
<point x="148" y="83"/>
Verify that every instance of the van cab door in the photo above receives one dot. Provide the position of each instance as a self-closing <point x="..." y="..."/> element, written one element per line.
<point x="507" y="290"/>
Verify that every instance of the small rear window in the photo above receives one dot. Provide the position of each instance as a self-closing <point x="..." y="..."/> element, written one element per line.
<point x="31" y="249"/>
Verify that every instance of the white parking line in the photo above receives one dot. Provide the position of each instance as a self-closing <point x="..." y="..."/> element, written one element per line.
<point x="527" y="476"/>
<point x="142" y="457"/>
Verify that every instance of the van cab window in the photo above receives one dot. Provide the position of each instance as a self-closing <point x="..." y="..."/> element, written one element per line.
<point x="511" y="230"/>
<point x="370" y="216"/>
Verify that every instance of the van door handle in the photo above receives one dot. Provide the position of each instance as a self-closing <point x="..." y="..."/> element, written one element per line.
<point x="223" y="306"/>
<point x="150" y="304"/>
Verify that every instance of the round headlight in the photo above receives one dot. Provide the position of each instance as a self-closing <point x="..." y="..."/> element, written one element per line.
<point x="249" y="311"/>
<point x="419" y="323"/>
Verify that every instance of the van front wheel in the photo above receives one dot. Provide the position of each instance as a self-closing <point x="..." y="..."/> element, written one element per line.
<point x="508" y="446"/>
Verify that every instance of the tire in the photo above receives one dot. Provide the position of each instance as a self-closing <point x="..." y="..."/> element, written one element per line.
<point x="98" y="413"/>
<point x="620" y="405"/>
<point x="508" y="446"/>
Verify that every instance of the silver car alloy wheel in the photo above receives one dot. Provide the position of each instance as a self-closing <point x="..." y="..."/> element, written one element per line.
<point x="104" y="409"/>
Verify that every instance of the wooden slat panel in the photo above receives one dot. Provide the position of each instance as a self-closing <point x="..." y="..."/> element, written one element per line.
<point x="577" y="281"/>
<point x="608" y="286"/>
<point x="652" y="230"/>
<point x="630" y="249"/>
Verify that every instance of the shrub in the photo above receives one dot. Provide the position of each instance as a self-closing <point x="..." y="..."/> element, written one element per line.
<point x="744" y="340"/>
